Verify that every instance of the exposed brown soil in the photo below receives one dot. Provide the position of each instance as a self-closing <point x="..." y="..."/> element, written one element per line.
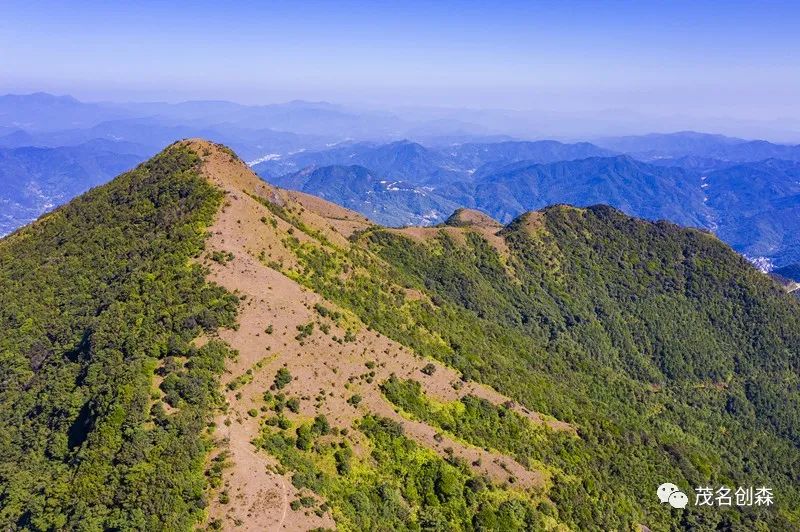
<point x="458" y="235"/>
<point x="532" y="221"/>
<point x="321" y="366"/>
<point x="473" y="218"/>
<point x="342" y="220"/>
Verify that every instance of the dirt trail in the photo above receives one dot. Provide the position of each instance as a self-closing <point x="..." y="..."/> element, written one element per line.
<point x="321" y="366"/>
<point x="259" y="497"/>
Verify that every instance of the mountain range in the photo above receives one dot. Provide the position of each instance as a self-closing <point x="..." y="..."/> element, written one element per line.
<point x="36" y="180"/>
<point x="188" y="346"/>
<point x="750" y="205"/>
<point x="395" y="203"/>
<point x="696" y="179"/>
<point x="689" y="143"/>
<point x="411" y="161"/>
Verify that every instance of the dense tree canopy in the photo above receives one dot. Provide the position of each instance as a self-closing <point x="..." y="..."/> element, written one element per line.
<point x="94" y="300"/>
<point x="673" y="357"/>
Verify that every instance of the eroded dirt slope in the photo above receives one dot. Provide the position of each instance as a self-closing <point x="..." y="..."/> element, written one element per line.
<point x="326" y="372"/>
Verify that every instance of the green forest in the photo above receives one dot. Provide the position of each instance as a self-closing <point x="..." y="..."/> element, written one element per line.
<point x="674" y="358"/>
<point x="96" y="299"/>
<point x="398" y="486"/>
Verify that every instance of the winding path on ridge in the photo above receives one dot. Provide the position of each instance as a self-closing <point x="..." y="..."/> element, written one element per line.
<point x="260" y="497"/>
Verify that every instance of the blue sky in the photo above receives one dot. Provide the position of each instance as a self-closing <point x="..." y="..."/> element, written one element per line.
<point x="735" y="59"/>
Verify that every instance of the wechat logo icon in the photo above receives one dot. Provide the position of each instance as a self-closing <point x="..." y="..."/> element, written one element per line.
<point x="670" y="493"/>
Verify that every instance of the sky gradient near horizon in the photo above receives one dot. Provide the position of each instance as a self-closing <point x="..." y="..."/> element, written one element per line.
<point x="696" y="58"/>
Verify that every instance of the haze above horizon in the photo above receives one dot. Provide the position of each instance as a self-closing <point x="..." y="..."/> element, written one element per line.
<point x="678" y="65"/>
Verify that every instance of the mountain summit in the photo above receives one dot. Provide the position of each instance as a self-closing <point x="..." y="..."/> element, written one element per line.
<point x="189" y="346"/>
<point x="472" y="218"/>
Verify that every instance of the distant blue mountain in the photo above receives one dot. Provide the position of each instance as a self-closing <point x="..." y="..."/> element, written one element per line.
<point x="744" y="190"/>
<point x="482" y="158"/>
<point x="409" y="187"/>
<point x="401" y="160"/>
<point x="689" y="143"/>
<point x="390" y="202"/>
<point x="36" y="180"/>
<point x="755" y="206"/>
<point x="644" y="190"/>
<point x="150" y="135"/>
<point x="46" y="112"/>
<point x="41" y="112"/>
<point x="790" y="272"/>
<point x="410" y="161"/>
<point x="694" y="163"/>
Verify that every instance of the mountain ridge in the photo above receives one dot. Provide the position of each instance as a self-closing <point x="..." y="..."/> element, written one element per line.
<point x="332" y="371"/>
<point x="657" y="145"/>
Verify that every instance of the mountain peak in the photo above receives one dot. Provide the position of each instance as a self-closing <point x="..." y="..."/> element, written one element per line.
<point x="42" y="98"/>
<point x="532" y="221"/>
<point x="471" y="218"/>
<point x="529" y="222"/>
<point x="408" y="145"/>
<point x="193" y="288"/>
<point x="223" y="168"/>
